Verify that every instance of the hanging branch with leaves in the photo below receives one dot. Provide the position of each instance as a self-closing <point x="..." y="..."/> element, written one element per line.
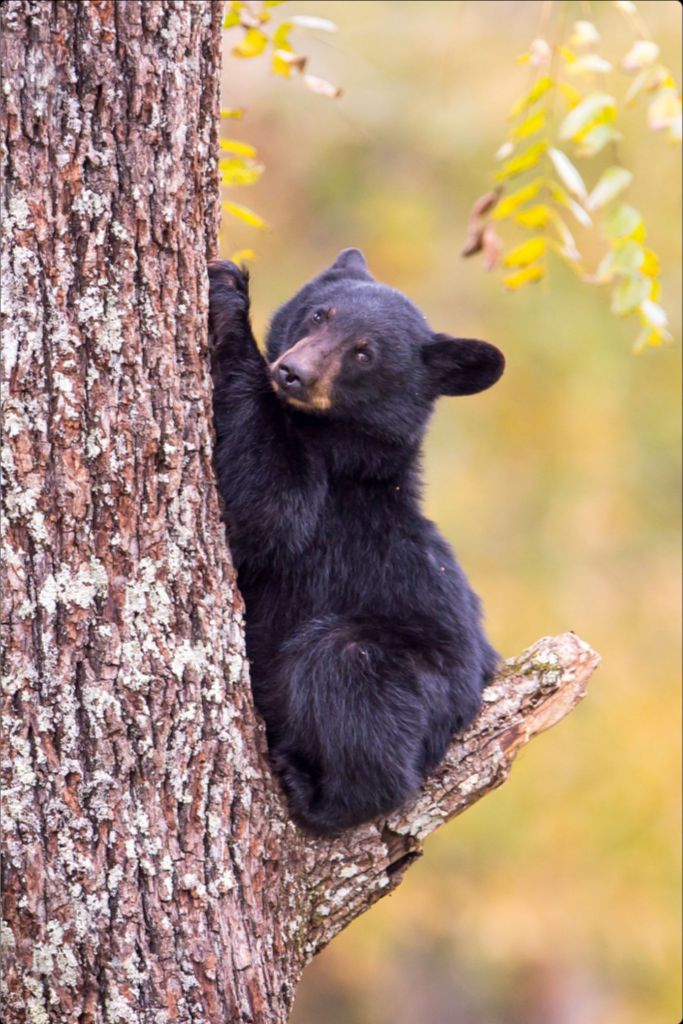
<point x="260" y="32"/>
<point x="569" y="115"/>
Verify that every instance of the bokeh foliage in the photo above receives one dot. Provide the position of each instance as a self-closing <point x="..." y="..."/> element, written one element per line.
<point x="558" y="897"/>
<point x="570" y="103"/>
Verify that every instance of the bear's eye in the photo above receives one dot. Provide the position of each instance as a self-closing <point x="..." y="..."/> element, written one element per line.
<point x="320" y="316"/>
<point x="363" y="356"/>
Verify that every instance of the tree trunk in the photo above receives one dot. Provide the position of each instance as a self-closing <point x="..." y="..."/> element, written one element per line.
<point x="151" y="874"/>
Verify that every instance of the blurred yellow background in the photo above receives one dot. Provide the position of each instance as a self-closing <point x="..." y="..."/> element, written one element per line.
<point x="556" y="900"/>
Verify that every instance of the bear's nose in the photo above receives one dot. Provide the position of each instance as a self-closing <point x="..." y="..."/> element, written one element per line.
<point x="293" y="376"/>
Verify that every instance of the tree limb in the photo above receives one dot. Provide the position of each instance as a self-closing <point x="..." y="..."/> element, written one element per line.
<point x="531" y="693"/>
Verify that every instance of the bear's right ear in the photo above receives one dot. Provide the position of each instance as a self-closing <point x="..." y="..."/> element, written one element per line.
<point x="350" y="263"/>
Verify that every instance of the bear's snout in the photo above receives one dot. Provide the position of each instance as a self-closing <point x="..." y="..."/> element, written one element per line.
<point x="304" y="375"/>
<point x="294" y="375"/>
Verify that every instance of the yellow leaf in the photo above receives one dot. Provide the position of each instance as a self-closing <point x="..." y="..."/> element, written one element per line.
<point x="251" y="44"/>
<point x="535" y="216"/>
<point x="235" y="146"/>
<point x="232" y="14"/>
<point x="516" y="199"/>
<point x="245" y="214"/>
<point x="571" y="95"/>
<point x="280" y="67"/>
<point x="530" y="126"/>
<point x="234" y="113"/>
<point x="281" y="36"/>
<point x="286" y="61"/>
<point x="649" y="338"/>
<point x="585" y="113"/>
<point x="239" y="172"/>
<point x="526" y="160"/>
<point x="525" y="253"/>
<point x="242" y="255"/>
<point x="527" y="276"/>
<point x="650" y="264"/>
<point x="596" y="138"/>
<point x="539" y="89"/>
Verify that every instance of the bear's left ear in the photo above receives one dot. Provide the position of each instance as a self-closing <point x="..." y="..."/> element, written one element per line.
<point x="350" y="263"/>
<point x="462" y="366"/>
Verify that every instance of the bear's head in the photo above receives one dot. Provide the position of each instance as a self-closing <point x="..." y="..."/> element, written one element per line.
<point x="354" y="350"/>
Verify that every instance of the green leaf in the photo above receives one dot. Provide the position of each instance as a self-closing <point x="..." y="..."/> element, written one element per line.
<point x="321" y="24"/>
<point x="527" y="276"/>
<point x="627" y="258"/>
<point x="539" y="89"/>
<point x="509" y="204"/>
<point x="560" y="196"/>
<point x="622" y="221"/>
<point x="647" y="79"/>
<point x="568" y="247"/>
<point x="664" y="110"/>
<point x="525" y="253"/>
<point x="590" y="64"/>
<point x="584" y="33"/>
<point x="653" y="315"/>
<point x="585" y="112"/>
<point x="569" y="175"/>
<point x="613" y="181"/>
<point x="597" y="138"/>
<point x="524" y="162"/>
<point x="245" y="214"/>
<point x="642" y="54"/>
<point x="628" y="295"/>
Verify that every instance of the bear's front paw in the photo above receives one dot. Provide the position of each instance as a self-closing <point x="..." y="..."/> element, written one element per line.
<point x="225" y="275"/>
<point x="228" y="303"/>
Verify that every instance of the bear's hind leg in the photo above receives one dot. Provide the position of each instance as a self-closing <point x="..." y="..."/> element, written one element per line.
<point x="347" y="713"/>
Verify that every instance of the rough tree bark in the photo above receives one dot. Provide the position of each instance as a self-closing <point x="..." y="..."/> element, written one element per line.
<point x="151" y="874"/>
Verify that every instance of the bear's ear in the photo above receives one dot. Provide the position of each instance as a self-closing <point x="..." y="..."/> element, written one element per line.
<point x="350" y="263"/>
<point x="461" y="366"/>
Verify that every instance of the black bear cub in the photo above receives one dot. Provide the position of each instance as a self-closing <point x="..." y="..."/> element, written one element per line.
<point x="366" y="648"/>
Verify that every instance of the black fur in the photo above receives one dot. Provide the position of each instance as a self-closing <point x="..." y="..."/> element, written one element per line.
<point x="366" y="649"/>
